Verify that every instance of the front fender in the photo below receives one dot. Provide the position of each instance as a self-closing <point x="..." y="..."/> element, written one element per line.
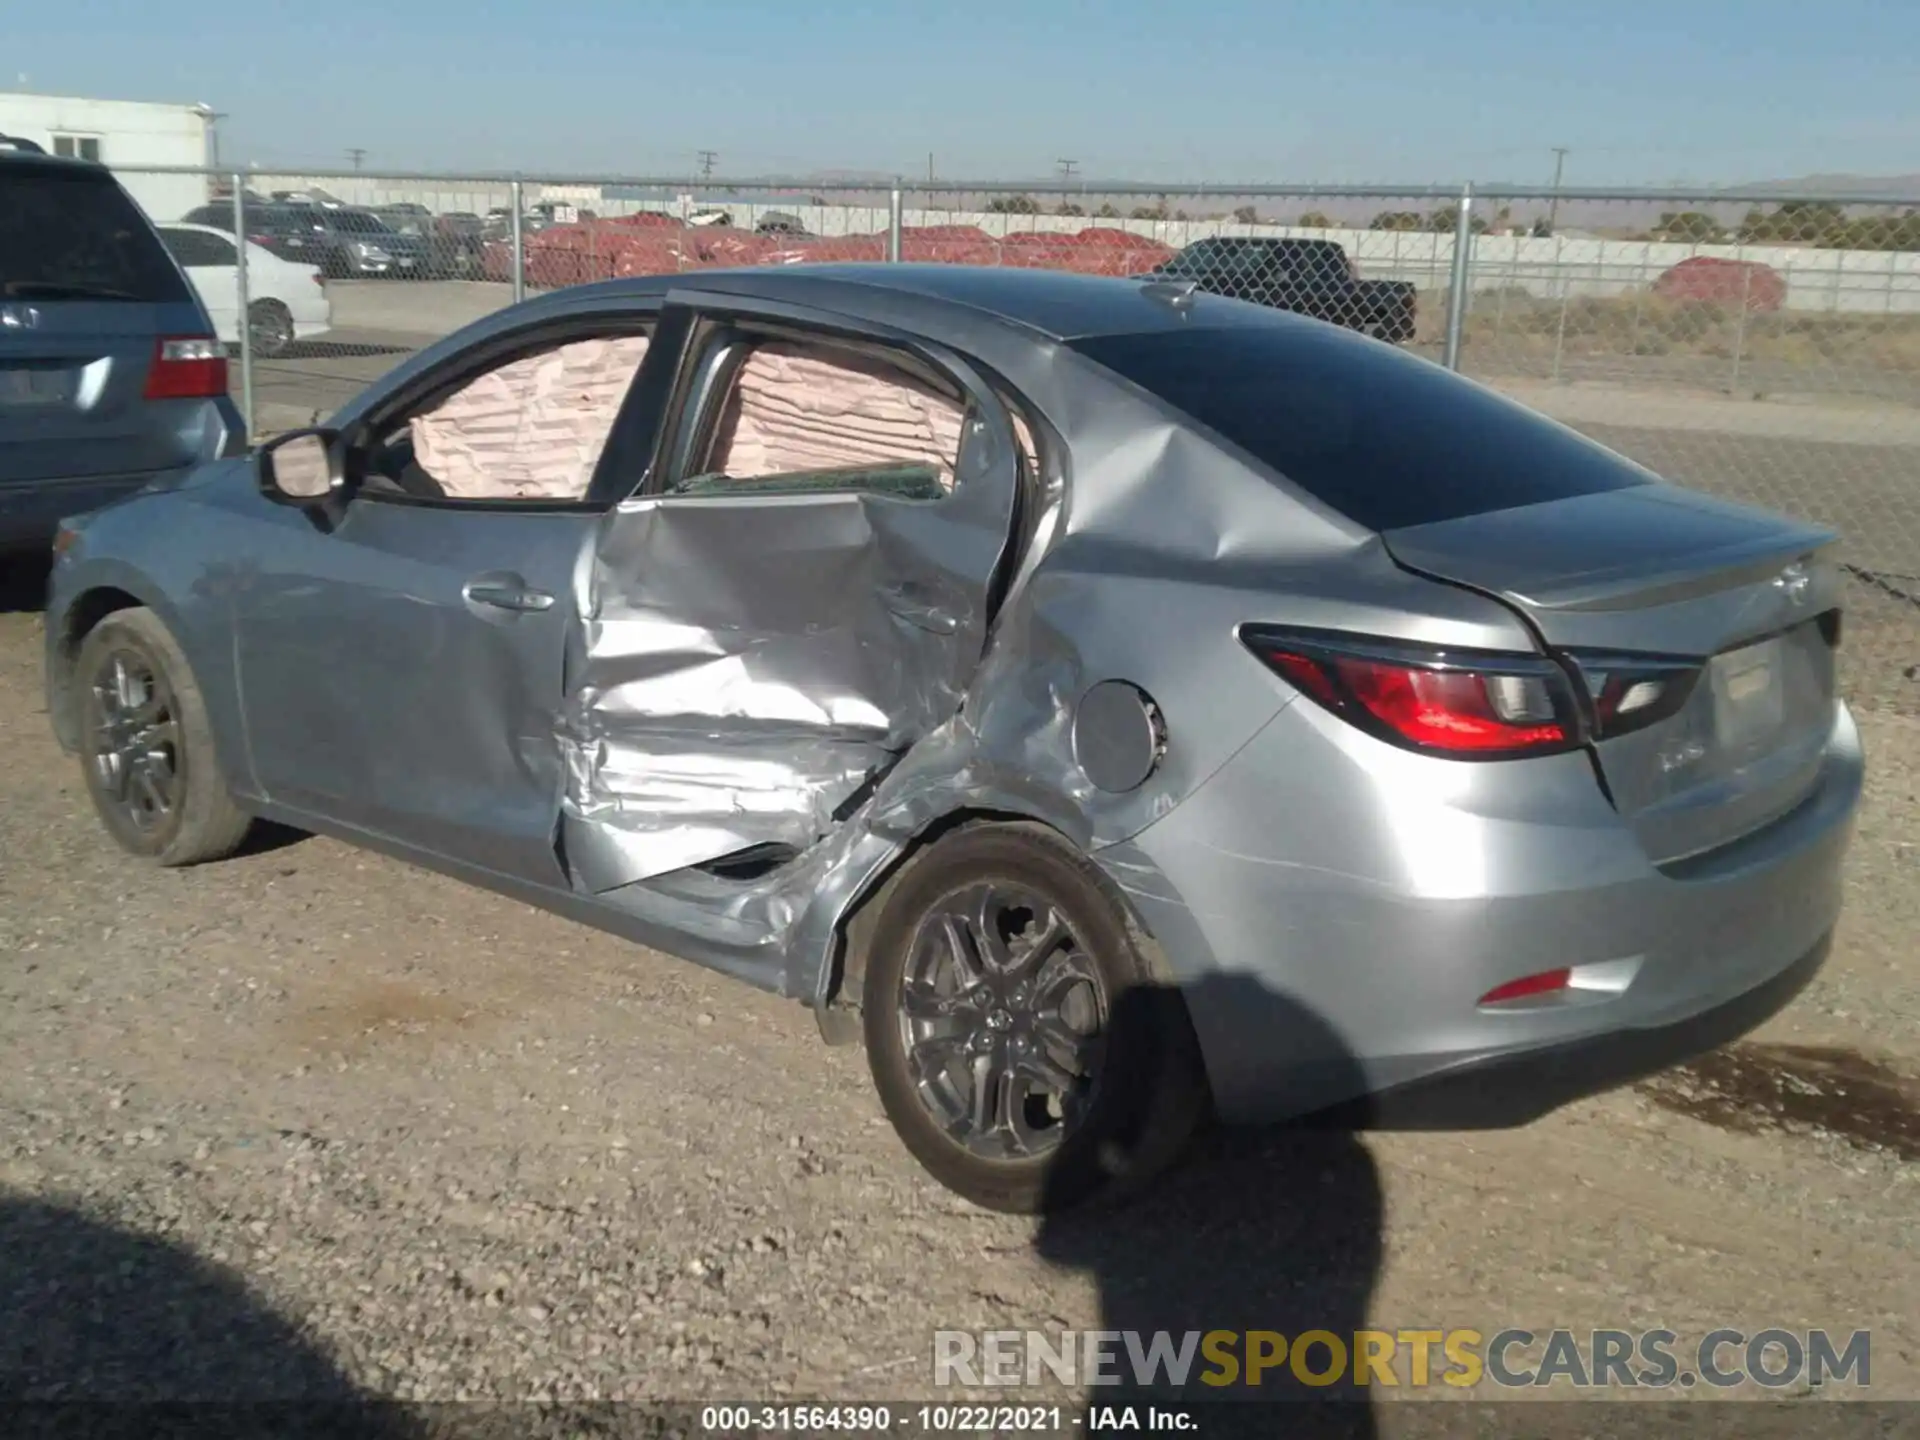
<point x="80" y="594"/>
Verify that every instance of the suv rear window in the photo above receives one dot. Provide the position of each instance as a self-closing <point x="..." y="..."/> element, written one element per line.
<point x="1386" y="439"/>
<point x="74" y="234"/>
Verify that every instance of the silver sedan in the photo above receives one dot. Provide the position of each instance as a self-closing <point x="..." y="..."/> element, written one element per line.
<point x="1114" y="704"/>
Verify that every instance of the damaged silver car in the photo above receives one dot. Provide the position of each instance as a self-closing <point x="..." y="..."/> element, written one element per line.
<point x="1116" y="704"/>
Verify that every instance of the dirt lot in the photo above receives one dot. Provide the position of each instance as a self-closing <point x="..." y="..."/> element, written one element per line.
<point x="310" y="1119"/>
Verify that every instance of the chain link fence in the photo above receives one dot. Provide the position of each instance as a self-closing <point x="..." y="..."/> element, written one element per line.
<point x="1765" y="348"/>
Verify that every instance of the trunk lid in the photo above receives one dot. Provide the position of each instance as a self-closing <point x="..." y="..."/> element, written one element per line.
<point x="1734" y="608"/>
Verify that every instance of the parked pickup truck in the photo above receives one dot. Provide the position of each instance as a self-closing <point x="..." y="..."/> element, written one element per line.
<point x="1310" y="277"/>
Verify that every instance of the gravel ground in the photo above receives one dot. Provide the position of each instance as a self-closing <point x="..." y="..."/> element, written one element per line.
<point x="310" y="1121"/>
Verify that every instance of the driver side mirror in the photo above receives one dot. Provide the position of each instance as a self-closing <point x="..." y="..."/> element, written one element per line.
<point x="306" y="468"/>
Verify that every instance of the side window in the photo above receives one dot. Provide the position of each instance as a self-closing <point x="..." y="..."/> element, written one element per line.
<point x="191" y="247"/>
<point x="797" y="417"/>
<point x="1271" y="262"/>
<point x="531" y="429"/>
<point x="77" y="147"/>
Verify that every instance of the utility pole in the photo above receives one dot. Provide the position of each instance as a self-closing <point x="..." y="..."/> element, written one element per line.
<point x="356" y="156"/>
<point x="1553" y="210"/>
<point x="707" y="157"/>
<point x="211" y="118"/>
<point x="1067" y="168"/>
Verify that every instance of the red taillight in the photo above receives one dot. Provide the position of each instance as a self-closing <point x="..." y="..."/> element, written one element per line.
<point x="1470" y="705"/>
<point x="1545" y="983"/>
<point x="187" y="367"/>
<point x="1456" y="709"/>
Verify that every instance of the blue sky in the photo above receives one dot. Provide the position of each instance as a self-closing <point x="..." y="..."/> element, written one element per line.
<point x="1259" y="90"/>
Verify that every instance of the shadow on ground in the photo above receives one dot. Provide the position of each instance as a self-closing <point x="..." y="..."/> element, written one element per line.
<point x="23" y="582"/>
<point x="107" y="1332"/>
<point x="332" y="350"/>
<point x="1274" y="1231"/>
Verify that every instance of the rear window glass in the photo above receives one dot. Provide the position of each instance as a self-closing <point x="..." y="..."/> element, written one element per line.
<point x="75" y="234"/>
<point x="359" y="224"/>
<point x="1382" y="437"/>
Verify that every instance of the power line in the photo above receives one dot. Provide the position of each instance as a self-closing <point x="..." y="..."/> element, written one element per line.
<point x="1067" y="167"/>
<point x="356" y="156"/>
<point x="707" y="157"/>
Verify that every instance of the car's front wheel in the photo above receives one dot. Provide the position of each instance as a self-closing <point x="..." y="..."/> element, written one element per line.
<point x="147" y="748"/>
<point x="1021" y="1044"/>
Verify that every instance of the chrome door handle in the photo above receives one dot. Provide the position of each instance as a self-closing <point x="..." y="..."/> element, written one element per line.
<point x="505" y="595"/>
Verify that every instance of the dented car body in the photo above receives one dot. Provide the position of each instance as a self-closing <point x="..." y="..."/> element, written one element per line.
<point x="1408" y="731"/>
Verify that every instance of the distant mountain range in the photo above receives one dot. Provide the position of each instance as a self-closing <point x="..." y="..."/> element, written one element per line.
<point x="1899" y="187"/>
<point x="836" y="187"/>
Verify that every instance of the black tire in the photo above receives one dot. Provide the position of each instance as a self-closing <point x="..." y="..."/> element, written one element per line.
<point x="1142" y="1092"/>
<point x="270" y="328"/>
<point x="142" y="715"/>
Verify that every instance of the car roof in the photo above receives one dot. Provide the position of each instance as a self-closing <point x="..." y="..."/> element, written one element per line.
<point x="195" y="225"/>
<point x="30" y="160"/>
<point x="1059" y="305"/>
<point x="1264" y="240"/>
<point x="256" y="254"/>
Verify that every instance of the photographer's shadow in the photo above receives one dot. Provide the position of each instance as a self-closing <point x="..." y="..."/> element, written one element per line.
<point x="1275" y="1230"/>
<point x="107" y="1332"/>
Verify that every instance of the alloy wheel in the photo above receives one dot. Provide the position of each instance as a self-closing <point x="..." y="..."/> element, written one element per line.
<point x="1001" y="1016"/>
<point x="135" y="744"/>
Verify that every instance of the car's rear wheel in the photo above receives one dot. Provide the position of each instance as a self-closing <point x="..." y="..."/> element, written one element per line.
<point x="269" y="328"/>
<point x="1022" y="1045"/>
<point x="146" y="746"/>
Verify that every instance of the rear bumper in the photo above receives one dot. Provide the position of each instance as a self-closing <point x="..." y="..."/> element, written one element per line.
<point x="1517" y="1089"/>
<point x="1333" y="936"/>
<point x="31" y="510"/>
<point x="399" y="267"/>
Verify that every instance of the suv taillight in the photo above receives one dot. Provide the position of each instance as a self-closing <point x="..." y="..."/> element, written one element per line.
<point x="187" y="367"/>
<point x="1467" y="704"/>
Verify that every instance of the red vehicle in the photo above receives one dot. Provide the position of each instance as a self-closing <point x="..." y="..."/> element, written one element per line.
<point x="1724" y="282"/>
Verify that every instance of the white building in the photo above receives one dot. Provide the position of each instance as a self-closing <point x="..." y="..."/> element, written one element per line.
<point x="123" y="135"/>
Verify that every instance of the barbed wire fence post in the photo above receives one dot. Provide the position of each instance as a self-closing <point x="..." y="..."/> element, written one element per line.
<point x="242" y="321"/>
<point x="1565" y="286"/>
<point x="1643" y="279"/>
<point x="1740" y="329"/>
<point x="518" y="239"/>
<point x="1459" y="278"/>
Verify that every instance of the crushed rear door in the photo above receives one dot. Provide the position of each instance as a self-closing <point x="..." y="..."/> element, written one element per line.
<point x="753" y="660"/>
